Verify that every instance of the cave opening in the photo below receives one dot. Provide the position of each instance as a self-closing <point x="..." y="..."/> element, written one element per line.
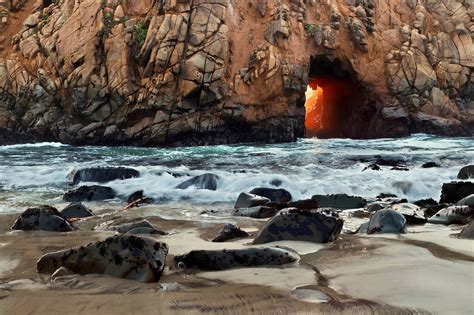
<point x="336" y="103"/>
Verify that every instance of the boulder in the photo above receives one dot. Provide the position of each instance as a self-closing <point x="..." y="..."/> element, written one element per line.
<point x="246" y="200"/>
<point x="275" y="195"/>
<point x="375" y="207"/>
<point x="103" y="174"/>
<point x="89" y="193"/>
<point x="304" y="204"/>
<point x="76" y="210"/>
<point x="339" y="201"/>
<point x="387" y="221"/>
<point x="205" y="181"/>
<point x="453" y="215"/>
<point x="44" y="218"/>
<point x="467" y="201"/>
<point x="455" y="191"/>
<point x="431" y="211"/>
<point x="230" y="232"/>
<point x="300" y="225"/>
<point x="123" y="256"/>
<point x="259" y="212"/>
<point x="225" y="259"/>
<point x="138" y="226"/>
<point x="466" y="172"/>
<point x="411" y="212"/>
<point x="426" y="203"/>
<point x="430" y="165"/>
<point x="468" y="232"/>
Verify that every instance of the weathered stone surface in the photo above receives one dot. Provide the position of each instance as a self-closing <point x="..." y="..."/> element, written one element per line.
<point x="387" y="221"/>
<point x="123" y="256"/>
<point x="103" y="174"/>
<point x="226" y="259"/>
<point x="275" y="195"/>
<point x="89" y="193"/>
<point x="299" y="225"/>
<point x="246" y="200"/>
<point x="205" y="181"/>
<point x="76" y="210"/>
<point x="43" y="218"/>
<point x="339" y="201"/>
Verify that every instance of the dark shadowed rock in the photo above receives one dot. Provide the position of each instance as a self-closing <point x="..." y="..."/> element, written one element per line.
<point x="304" y="204"/>
<point x="385" y="195"/>
<point x="339" y="201"/>
<point x="412" y="213"/>
<point x="225" y="259"/>
<point x="466" y="172"/>
<point x="375" y="207"/>
<point x="300" y="225"/>
<point x="103" y="174"/>
<point x="145" y="231"/>
<point x="453" y="215"/>
<point x="230" y="232"/>
<point x="123" y="256"/>
<point x="89" y="193"/>
<point x="43" y="218"/>
<point x="138" y="226"/>
<point x="259" y="212"/>
<point x="431" y="211"/>
<point x="76" y="210"/>
<point x="275" y="195"/>
<point x="138" y="195"/>
<point x="466" y="201"/>
<point x="468" y="231"/>
<point x="430" y="165"/>
<point x="387" y="221"/>
<point x="455" y="191"/>
<point x="426" y="203"/>
<point x="246" y="200"/>
<point x="392" y="163"/>
<point x="373" y="167"/>
<point x="205" y="181"/>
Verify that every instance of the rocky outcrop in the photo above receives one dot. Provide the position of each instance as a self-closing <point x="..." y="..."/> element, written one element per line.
<point x="89" y="193"/>
<point x="205" y="181"/>
<point x="220" y="71"/>
<point x="103" y="174"/>
<point x="44" y="218"/>
<point x="76" y="210"/>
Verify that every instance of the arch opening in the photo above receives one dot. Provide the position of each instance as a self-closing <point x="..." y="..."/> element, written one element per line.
<point x="336" y="104"/>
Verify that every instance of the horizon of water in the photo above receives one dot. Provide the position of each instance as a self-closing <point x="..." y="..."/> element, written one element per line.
<point x="35" y="174"/>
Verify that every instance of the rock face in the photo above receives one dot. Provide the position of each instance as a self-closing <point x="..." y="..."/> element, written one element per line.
<point x="123" y="256"/>
<point x="298" y="225"/>
<point x="180" y="72"/>
<point x="225" y="259"/>
<point x="44" y="218"/>
<point x="103" y="174"/>
<point x="89" y="193"/>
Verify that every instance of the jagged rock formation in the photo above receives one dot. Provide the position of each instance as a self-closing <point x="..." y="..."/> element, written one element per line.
<point x="171" y="72"/>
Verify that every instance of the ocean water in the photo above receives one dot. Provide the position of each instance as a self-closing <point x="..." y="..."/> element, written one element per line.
<point x="35" y="174"/>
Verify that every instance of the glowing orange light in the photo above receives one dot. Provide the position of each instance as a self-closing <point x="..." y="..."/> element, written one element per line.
<point x="314" y="109"/>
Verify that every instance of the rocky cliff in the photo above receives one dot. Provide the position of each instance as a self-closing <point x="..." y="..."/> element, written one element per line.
<point x="171" y="72"/>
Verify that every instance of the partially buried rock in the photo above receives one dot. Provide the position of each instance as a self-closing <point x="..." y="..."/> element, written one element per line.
<point x="89" y="193"/>
<point x="453" y="215"/>
<point x="339" y="201"/>
<point x="43" y="218"/>
<point x="205" y="181"/>
<point x="76" y="210"/>
<point x="455" y="191"/>
<point x="411" y="212"/>
<point x="375" y="207"/>
<point x="260" y="212"/>
<point x="225" y="259"/>
<point x="466" y="172"/>
<point x="426" y="203"/>
<point x="468" y="232"/>
<point x="246" y="200"/>
<point x="230" y="232"/>
<point x="387" y="221"/>
<point x="103" y="174"/>
<point x="124" y="256"/>
<point x="139" y="226"/>
<point x="275" y="195"/>
<point x="299" y="225"/>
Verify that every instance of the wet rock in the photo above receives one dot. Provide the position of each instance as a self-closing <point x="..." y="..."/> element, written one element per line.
<point x="410" y="211"/>
<point x="426" y="203"/>
<point x="468" y="232"/>
<point x="392" y="163"/>
<point x="275" y="195"/>
<point x="138" y="195"/>
<point x="363" y="228"/>
<point x="138" y="226"/>
<point x="453" y="215"/>
<point x="89" y="193"/>
<point x="467" y="201"/>
<point x="123" y="256"/>
<point x="44" y="218"/>
<point x="76" y="210"/>
<point x="300" y="225"/>
<point x="385" y="195"/>
<point x="230" y="232"/>
<point x="103" y="174"/>
<point x="225" y="259"/>
<point x="246" y="200"/>
<point x="387" y="221"/>
<point x="259" y="212"/>
<point x="375" y="207"/>
<point x="466" y="172"/>
<point x="430" y="165"/>
<point x="373" y="167"/>
<point x="145" y="231"/>
<point x="339" y="201"/>
<point x="205" y="181"/>
<point x="455" y="191"/>
<point x="397" y="168"/>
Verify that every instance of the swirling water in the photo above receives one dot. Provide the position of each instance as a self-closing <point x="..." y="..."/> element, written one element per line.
<point x="35" y="174"/>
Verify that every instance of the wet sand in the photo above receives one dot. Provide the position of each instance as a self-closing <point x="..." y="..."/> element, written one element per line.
<point x="426" y="270"/>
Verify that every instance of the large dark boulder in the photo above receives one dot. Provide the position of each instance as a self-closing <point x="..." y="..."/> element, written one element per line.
<point x="124" y="256"/>
<point x="303" y="204"/>
<point x="205" y="181"/>
<point x="466" y="172"/>
<point x="103" y="174"/>
<point x="259" y="212"/>
<point x="275" y="195"/>
<point x="426" y="203"/>
<point x="89" y="193"/>
<point x="455" y="191"/>
<point x="76" y="210"/>
<point x="453" y="215"/>
<point x="246" y="200"/>
<point x="299" y="225"/>
<point x="230" y="232"/>
<point x="339" y="201"/>
<point x="387" y="221"/>
<point x="430" y="165"/>
<point x="225" y="259"/>
<point x="44" y="218"/>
